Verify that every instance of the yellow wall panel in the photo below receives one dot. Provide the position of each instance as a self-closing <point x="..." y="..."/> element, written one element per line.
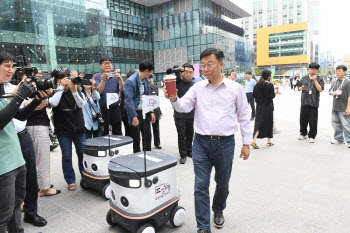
<point x="262" y="39"/>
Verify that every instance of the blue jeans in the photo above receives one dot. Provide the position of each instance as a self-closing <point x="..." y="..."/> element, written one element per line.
<point x="92" y="133"/>
<point x="206" y="154"/>
<point x="66" y="148"/>
<point x="341" y="126"/>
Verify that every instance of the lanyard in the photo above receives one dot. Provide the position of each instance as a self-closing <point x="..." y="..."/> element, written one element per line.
<point x="90" y="105"/>
<point x="341" y="85"/>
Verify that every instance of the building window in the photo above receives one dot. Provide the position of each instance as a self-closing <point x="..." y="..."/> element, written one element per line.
<point x="269" y="24"/>
<point x="290" y="20"/>
<point x="284" y="7"/>
<point x="260" y="11"/>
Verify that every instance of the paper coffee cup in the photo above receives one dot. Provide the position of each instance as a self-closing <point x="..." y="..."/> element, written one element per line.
<point x="170" y="85"/>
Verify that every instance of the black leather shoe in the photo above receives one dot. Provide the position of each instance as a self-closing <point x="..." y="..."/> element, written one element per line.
<point x="158" y="147"/>
<point x="183" y="160"/>
<point x="203" y="231"/>
<point x="219" y="220"/>
<point x="35" y="220"/>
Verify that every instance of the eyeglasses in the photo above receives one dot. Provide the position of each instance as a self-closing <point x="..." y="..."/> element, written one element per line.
<point x="209" y="66"/>
<point x="106" y="63"/>
<point x="188" y="72"/>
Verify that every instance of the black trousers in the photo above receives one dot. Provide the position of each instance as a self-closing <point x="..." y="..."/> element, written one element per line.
<point x="308" y="116"/>
<point x="12" y="194"/>
<point x="143" y="128"/>
<point x="156" y="136"/>
<point x="250" y="99"/>
<point x="115" y="119"/>
<point x="185" y="131"/>
<point x="31" y="199"/>
<point x="291" y="85"/>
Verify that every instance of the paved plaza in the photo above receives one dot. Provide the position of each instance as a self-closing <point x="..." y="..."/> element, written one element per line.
<point x="292" y="187"/>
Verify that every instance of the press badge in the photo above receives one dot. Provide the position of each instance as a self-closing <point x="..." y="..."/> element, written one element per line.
<point x="310" y="92"/>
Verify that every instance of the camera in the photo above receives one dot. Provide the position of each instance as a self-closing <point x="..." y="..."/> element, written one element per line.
<point x="96" y="116"/>
<point x="75" y="81"/>
<point x="23" y="66"/>
<point x="336" y="93"/>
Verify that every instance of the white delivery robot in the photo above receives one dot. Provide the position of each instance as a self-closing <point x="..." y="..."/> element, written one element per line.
<point x="144" y="197"/>
<point x="96" y="159"/>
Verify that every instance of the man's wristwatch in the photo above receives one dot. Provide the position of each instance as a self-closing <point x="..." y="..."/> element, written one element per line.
<point x="246" y="145"/>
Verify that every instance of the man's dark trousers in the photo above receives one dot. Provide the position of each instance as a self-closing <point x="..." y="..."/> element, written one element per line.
<point x="31" y="199"/>
<point x="250" y="99"/>
<point x="156" y="137"/>
<point x="308" y="116"/>
<point x="115" y="119"/>
<point x="206" y="154"/>
<point x="185" y="132"/>
<point x="144" y="127"/>
<point x="12" y="192"/>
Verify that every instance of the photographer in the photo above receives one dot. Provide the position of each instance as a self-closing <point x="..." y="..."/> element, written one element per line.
<point x="68" y="121"/>
<point x="30" y="206"/>
<point x="109" y="82"/>
<point x="12" y="164"/>
<point x="92" y="111"/>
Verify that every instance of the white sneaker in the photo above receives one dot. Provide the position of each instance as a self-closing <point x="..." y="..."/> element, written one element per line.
<point x="334" y="141"/>
<point x="301" y="137"/>
<point x="311" y="140"/>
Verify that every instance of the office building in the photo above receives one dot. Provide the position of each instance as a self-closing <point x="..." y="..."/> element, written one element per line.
<point x="76" y="33"/>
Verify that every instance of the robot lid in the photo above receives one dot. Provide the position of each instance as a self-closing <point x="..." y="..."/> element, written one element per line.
<point x="134" y="163"/>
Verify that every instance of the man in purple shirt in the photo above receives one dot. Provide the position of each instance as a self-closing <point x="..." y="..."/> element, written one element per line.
<point x="220" y="104"/>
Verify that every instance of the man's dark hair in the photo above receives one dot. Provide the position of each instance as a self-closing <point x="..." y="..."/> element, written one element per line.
<point x="105" y="58"/>
<point x="188" y="65"/>
<point x="146" y="65"/>
<point x="248" y="72"/>
<point x="342" y="67"/>
<point x="59" y="73"/>
<point x="314" y="65"/>
<point x="130" y="72"/>
<point x="217" y="52"/>
<point x="6" y="57"/>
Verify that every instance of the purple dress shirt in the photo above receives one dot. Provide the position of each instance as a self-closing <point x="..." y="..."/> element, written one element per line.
<point x="217" y="110"/>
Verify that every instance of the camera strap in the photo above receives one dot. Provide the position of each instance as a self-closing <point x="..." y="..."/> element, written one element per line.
<point x="90" y="105"/>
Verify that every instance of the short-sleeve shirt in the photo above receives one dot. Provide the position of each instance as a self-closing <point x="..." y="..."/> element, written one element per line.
<point x="311" y="96"/>
<point x="10" y="150"/>
<point x="340" y="104"/>
<point x="111" y="86"/>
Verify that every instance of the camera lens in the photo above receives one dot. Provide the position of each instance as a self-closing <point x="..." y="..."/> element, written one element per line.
<point x="124" y="201"/>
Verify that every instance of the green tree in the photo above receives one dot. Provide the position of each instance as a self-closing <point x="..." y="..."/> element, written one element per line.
<point x="257" y="71"/>
<point x="283" y="72"/>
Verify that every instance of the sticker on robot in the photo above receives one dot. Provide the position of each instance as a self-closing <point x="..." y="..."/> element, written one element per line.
<point x="162" y="190"/>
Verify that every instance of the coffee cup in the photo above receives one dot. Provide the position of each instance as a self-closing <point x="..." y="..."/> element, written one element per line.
<point x="170" y="85"/>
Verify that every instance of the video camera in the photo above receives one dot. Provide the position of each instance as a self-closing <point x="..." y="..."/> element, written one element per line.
<point x="23" y="66"/>
<point x="176" y="70"/>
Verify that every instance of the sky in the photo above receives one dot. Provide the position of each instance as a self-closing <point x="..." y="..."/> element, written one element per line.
<point x="334" y="27"/>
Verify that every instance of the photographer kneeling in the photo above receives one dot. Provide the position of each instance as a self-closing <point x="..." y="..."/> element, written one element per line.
<point x="68" y="121"/>
<point x="12" y="164"/>
<point x="92" y="112"/>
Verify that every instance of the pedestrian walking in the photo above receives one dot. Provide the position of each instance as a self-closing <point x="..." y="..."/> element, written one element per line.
<point x="249" y="87"/>
<point x="340" y="90"/>
<point x="263" y="94"/>
<point x="220" y="105"/>
<point x="311" y="86"/>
